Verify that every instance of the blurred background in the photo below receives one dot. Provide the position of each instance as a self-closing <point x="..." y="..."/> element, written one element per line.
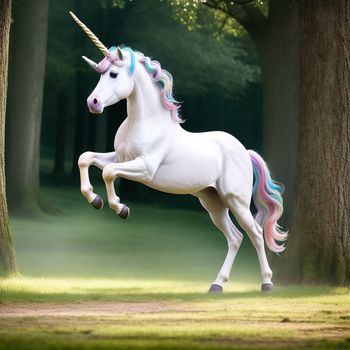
<point x="218" y="80"/>
<point x="217" y="69"/>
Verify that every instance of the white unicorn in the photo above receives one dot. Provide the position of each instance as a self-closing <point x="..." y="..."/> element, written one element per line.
<point x="151" y="147"/>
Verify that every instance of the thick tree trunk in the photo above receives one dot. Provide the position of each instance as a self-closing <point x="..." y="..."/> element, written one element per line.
<point x="276" y="38"/>
<point x="7" y="257"/>
<point x="278" y="50"/>
<point x="26" y="82"/>
<point x="320" y="237"/>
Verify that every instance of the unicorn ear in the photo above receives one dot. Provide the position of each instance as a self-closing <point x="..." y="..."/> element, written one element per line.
<point x="120" y="53"/>
<point x="91" y="63"/>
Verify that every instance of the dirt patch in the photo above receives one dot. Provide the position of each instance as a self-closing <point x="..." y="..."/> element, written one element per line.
<point x="88" y="309"/>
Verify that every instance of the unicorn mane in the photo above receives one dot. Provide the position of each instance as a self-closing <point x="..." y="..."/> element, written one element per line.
<point x="161" y="77"/>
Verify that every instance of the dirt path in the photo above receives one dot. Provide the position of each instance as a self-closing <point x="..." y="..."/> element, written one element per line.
<point x="159" y="323"/>
<point x="87" y="309"/>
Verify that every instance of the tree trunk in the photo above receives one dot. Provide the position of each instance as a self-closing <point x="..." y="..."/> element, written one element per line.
<point x="320" y="236"/>
<point x="81" y="114"/>
<point x="278" y="50"/>
<point x="276" y="38"/>
<point x="7" y="257"/>
<point x="26" y="82"/>
<point x="61" y="131"/>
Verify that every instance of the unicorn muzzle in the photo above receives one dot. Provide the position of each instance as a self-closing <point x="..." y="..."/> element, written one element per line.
<point x="95" y="105"/>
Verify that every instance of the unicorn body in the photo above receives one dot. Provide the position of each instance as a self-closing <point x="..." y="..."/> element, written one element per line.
<point x="151" y="147"/>
<point x="200" y="158"/>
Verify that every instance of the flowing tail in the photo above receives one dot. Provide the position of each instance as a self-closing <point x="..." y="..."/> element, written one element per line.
<point x="267" y="197"/>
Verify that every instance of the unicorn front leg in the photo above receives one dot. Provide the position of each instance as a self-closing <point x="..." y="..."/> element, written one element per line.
<point x="135" y="170"/>
<point x="85" y="161"/>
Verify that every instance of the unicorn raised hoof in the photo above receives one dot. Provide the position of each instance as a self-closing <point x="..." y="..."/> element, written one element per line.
<point x="151" y="147"/>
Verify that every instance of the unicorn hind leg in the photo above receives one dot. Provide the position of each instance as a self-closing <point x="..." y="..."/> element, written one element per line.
<point x="218" y="213"/>
<point x="240" y="209"/>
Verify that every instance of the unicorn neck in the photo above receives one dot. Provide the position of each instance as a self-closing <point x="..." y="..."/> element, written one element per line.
<point x="145" y="100"/>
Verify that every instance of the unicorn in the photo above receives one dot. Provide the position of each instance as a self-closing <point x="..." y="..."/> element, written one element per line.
<point x="153" y="148"/>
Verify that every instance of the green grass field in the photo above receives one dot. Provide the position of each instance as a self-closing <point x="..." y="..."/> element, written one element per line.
<point x="92" y="281"/>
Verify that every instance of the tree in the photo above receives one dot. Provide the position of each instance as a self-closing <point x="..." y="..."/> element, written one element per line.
<point x="26" y="80"/>
<point x="320" y="236"/>
<point x="272" y="26"/>
<point x="7" y="257"/>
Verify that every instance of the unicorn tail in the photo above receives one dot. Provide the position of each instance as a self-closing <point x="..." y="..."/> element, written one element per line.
<point x="267" y="197"/>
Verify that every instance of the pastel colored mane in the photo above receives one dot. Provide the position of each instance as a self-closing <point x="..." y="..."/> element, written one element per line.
<point x="162" y="78"/>
<point x="212" y="166"/>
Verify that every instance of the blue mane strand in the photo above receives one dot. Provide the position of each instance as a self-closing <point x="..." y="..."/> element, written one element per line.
<point x="132" y="58"/>
<point x="162" y="78"/>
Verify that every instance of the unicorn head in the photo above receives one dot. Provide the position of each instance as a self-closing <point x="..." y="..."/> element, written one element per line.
<point x="117" y="80"/>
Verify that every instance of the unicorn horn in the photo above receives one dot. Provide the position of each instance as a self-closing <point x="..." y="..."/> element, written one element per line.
<point x="91" y="63"/>
<point x="91" y="35"/>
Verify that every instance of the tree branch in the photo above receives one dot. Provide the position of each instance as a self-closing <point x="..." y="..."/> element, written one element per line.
<point x="223" y="24"/>
<point x="245" y="13"/>
<point x="215" y="5"/>
<point x="243" y="2"/>
<point x="255" y="15"/>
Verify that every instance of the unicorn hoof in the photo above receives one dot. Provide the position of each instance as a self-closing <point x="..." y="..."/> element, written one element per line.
<point x="97" y="203"/>
<point x="125" y="212"/>
<point x="215" y="289"/>
<point x="267" y="287"/>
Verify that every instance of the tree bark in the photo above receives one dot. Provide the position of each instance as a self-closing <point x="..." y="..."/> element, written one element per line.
<point x="7" y="257"/>
<point x="278" y="51"/>
<point x="26" y="82"/>
<point x="320" y="236"/>
<point x="276" y="38"/>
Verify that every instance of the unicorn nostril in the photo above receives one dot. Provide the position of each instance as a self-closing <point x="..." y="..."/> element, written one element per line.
<point x="95" y="101"/>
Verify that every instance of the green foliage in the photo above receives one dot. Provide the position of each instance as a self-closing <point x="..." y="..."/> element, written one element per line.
<point x="199" y="62"/>
<point x="196" y="16"/>
<point x="215" y="16"/>
<point x="112" y="3"/>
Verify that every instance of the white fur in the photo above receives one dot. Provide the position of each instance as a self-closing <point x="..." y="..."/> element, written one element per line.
<point x="152" y="149"/>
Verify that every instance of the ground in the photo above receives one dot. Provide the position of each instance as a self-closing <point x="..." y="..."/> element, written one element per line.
<point x="91" y="280"/>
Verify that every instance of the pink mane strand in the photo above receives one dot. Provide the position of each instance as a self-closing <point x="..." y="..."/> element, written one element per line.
<point x="162" y="78"/>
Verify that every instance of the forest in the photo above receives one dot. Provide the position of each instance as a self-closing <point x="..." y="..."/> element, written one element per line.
<point x="275" y="75"/>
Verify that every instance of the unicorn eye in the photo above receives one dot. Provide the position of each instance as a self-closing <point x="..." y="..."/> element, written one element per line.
<point x="113" y="75"/>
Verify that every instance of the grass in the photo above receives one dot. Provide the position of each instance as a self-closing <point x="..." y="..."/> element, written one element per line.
<point x="93" y="313"/>
<point x="92" y="281"/>
<point x="155" y="242"/>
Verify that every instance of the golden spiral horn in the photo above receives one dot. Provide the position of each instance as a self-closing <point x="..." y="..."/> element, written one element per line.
<point x="91" y="35"/>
